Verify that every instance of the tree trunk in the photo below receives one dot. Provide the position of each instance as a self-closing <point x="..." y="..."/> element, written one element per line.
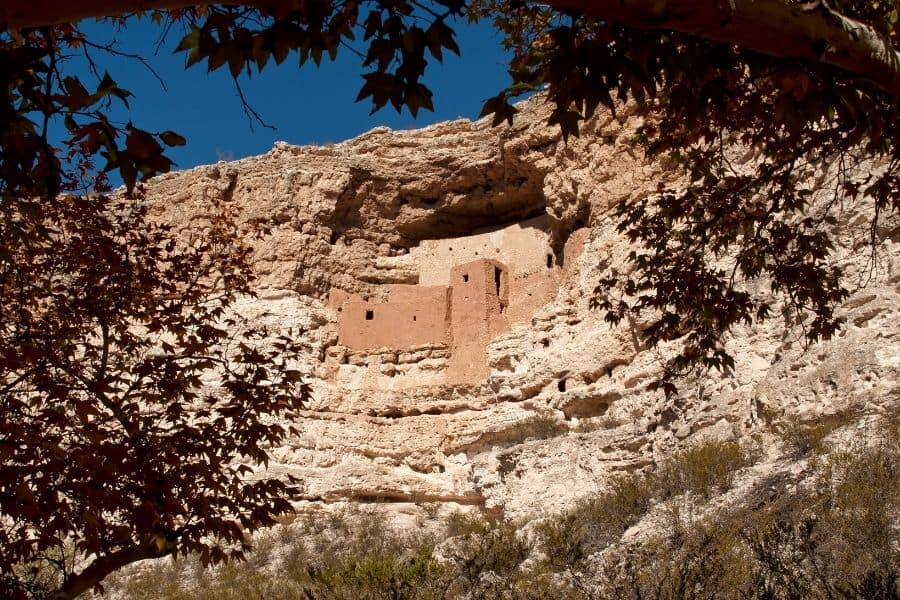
<point x="813" y="32"/>
<point x="79" y="583"/>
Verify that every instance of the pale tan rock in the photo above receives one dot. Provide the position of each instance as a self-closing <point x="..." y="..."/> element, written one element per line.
<point x="405" y="420"/>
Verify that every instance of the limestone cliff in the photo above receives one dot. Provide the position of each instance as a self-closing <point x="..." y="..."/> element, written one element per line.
<point x="534" y="400"/>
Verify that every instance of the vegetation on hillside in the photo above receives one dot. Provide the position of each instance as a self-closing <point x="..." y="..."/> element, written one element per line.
<point x="678" y="531"/>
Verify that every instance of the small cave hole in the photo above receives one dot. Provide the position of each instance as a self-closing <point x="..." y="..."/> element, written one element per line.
<point x="414" y="317"/>
<point x="429" y="201"/>
<point x="340" y="309"/>
<point x="549" y="261"/>
<point x="370" y="314"/>
<point x="403" y="202"/>
<point x="561" y="385"/>
<point x="466" y="277"/>
<point x="545" y="343"/>
<point x="333" y="238"/>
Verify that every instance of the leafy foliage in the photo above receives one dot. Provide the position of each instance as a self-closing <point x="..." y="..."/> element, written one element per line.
<point x="699" y="245"/>
<point x="112" y="436"/>
<point x="110" y="326"/>
<point x="397" y="43"/>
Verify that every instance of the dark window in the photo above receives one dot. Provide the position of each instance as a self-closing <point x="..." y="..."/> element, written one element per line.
<point x="549" y="261"/>
<point x="466" y="277"/>
<point x="561" y="385"/>
<point x="545" y="342"/>
<point x="414" y="317"/>
<point x="370" y="314"/>
<point x="497" y="273"/>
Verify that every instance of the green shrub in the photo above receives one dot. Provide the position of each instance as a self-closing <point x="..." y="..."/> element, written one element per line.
<point x="805" y="437"/>
<point x="594" y="523"/>
<point x="704" y="468"/>
<point x="541" y="426"/>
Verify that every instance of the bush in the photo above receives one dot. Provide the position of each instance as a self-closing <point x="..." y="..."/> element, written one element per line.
<point x="485" y="556"/>
<point x="541" y="426"/>
<point x="569" y="539"/>
<point x="703" y="469"/>
<point x="835" y="538"/>
<point x="804" y="437"/>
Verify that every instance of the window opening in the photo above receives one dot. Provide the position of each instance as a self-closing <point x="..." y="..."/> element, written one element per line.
<point x="370" y="314"/>
<point x="414" y="317"/>
<point x="466" y="277"/>
<point x="549" y="261"/>
<point x="497" y="273"/>
<point x="561" y="385"/>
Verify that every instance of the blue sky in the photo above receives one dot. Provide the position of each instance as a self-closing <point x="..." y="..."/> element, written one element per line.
<point x="307" y="106"/>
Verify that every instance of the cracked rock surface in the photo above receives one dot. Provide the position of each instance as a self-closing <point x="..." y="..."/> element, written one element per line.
<point x="566" y="402"/>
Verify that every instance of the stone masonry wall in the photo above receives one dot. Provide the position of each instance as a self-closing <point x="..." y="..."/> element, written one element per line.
<point x="412" y="316"/>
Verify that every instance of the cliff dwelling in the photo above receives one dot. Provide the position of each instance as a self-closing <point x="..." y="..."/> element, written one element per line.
<point x="470" y="290"/>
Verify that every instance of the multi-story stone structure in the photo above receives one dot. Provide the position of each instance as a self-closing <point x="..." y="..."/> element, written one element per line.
<point x="470" y="290"/>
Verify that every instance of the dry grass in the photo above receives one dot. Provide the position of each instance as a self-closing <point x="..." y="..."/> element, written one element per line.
<point x="808" y="438"/>
<point x="835" y="538"/>
<point x="540" y="426"/>
<point x="704" y="469"/>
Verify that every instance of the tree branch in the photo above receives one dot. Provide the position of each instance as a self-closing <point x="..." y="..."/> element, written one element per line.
<point x="77" y="584"/>
<point x="813" y="32"/>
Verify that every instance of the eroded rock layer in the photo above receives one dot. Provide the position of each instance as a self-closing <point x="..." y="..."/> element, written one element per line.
<point x="522" y="398"/>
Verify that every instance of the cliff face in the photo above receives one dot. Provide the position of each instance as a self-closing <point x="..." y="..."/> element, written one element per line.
<point x="441" y="279"/>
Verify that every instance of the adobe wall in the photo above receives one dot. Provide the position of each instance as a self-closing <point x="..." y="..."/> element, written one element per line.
<point x="530" y="290"/>
<point x="412" y="316"/>
<point x="522" y="247"/>
<point x="479" y="298"/>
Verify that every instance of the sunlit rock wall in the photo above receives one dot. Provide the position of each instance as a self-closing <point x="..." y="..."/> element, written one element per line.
<point x="402" y="422"/>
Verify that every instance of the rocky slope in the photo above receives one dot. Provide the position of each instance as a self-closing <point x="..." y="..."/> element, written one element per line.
<point x="566" y="402"/>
